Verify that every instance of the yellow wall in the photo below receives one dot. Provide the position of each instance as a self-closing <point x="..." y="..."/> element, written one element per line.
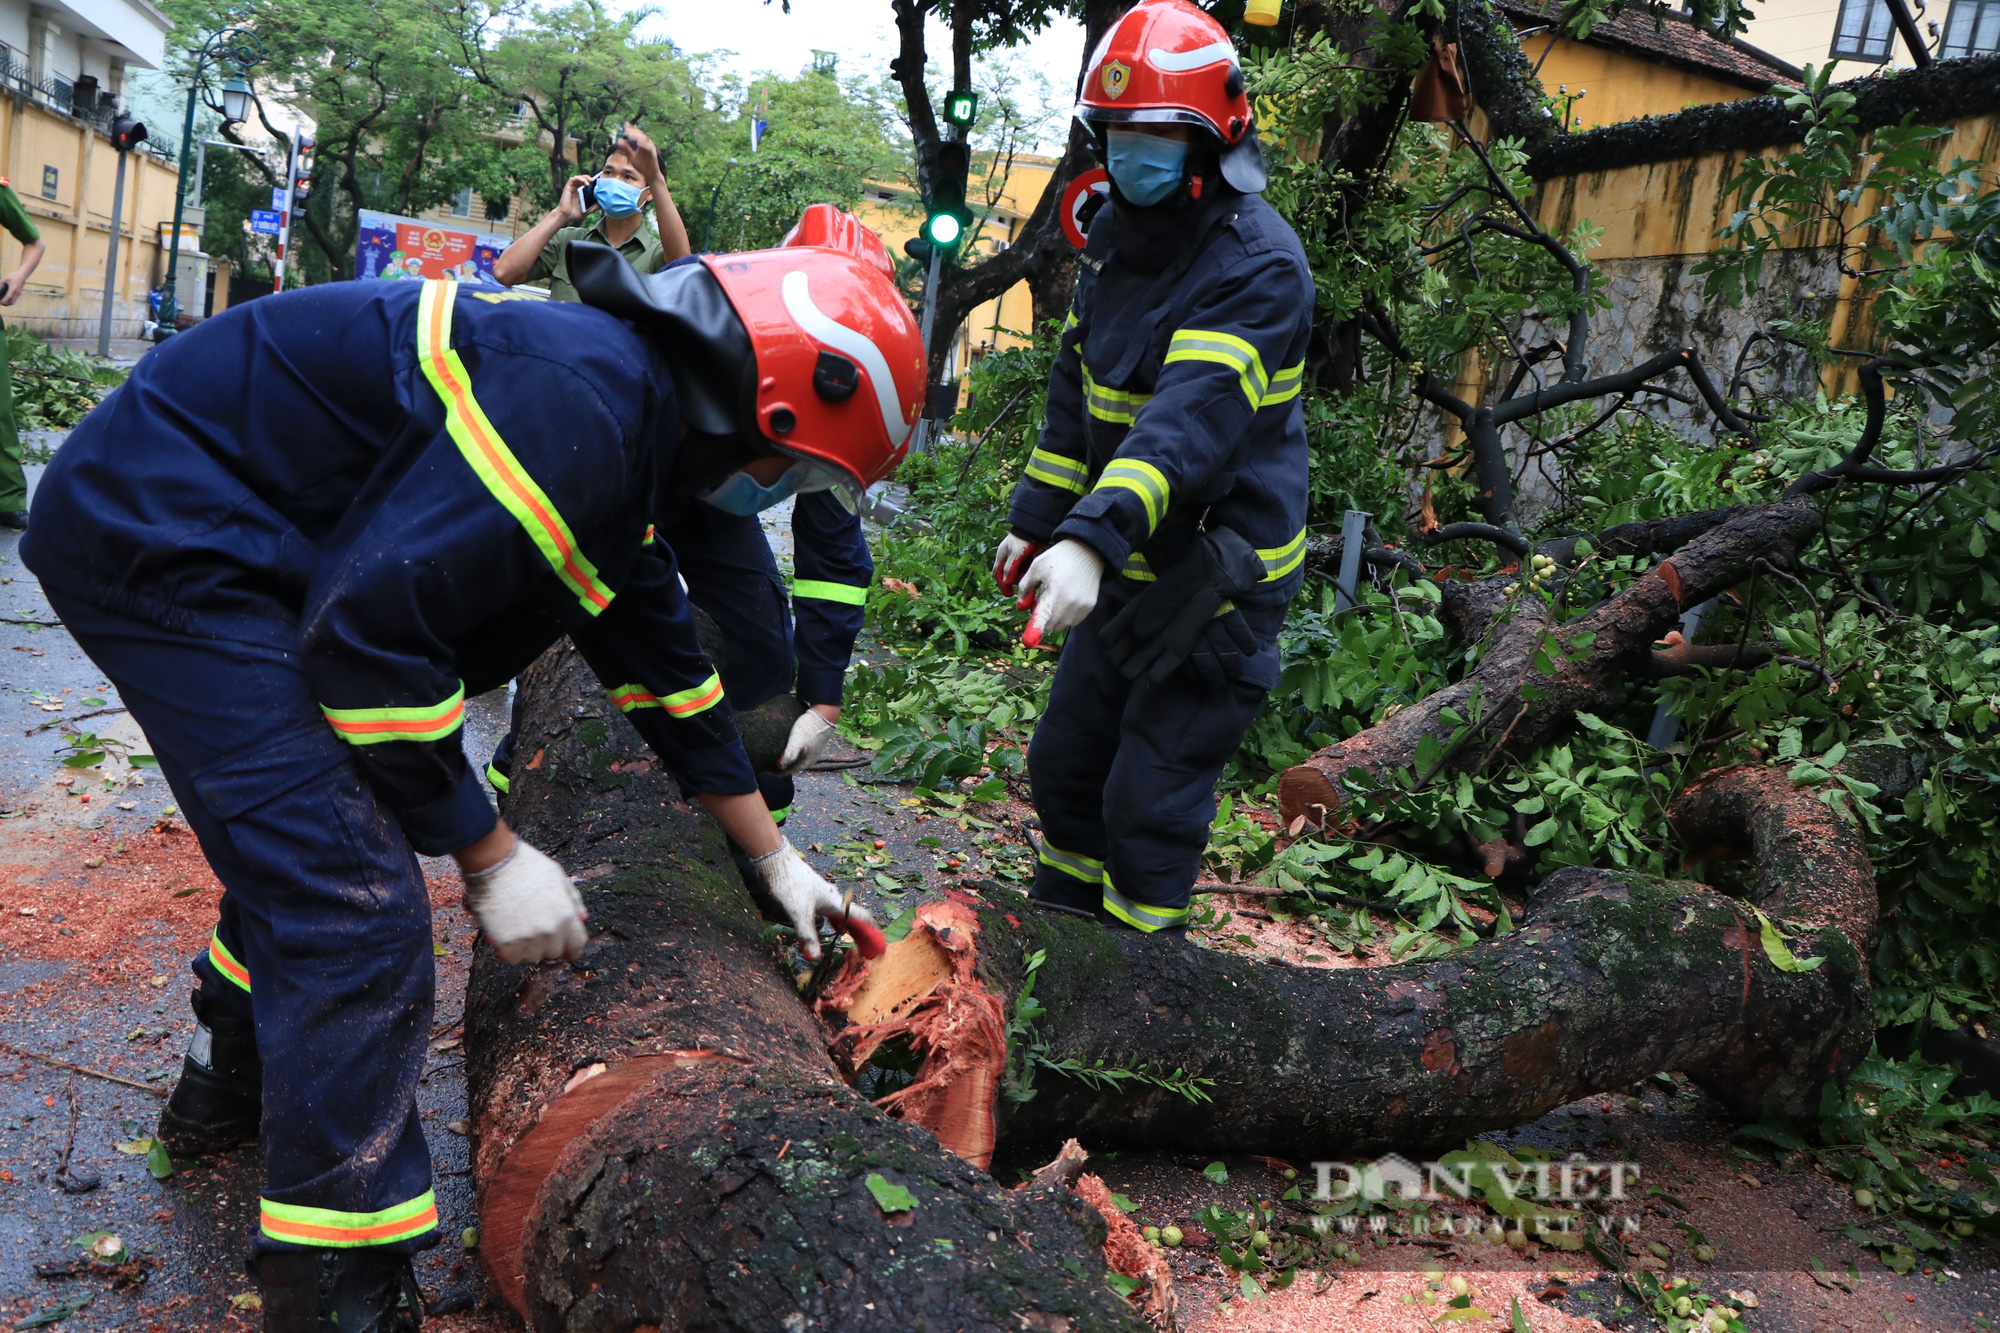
<point x="1661" y="210"/>
<point x="1619" y="85"/>
<point x="1014" y="196"/>
<point x="64" y="297"/>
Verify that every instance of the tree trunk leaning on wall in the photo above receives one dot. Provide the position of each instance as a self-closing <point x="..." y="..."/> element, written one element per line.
<point x="660" y="1137"/>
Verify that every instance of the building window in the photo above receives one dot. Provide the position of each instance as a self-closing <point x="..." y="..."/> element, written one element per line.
<point x="496" y="210"/>
<point x="62" y="92"/>
<point x="461" y="203"/>
<point x="1864" y="32"/>
<point x="1972" y="27"/>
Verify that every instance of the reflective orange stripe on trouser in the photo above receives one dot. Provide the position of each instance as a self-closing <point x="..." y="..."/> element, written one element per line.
<point x="332" y="1229"/>
<point x="226" y="962"/>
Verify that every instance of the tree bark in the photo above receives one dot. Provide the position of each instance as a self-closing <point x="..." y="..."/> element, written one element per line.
<point x="660" y="1137"/>
<point x="1612" y="977"/>
<point x="1588" y="656"/>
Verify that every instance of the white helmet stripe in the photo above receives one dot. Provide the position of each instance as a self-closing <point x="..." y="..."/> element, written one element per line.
<point x="857" y="346"/>
<point x="1180" y="62"/>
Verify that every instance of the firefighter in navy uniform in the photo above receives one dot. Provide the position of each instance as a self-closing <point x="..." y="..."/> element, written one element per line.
<point x="301" y="534"/>
<point x="772" y="646"/>
<point x="1161" y="518"/>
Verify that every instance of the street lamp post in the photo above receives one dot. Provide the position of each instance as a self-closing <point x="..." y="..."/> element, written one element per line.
<point x="242" y="47"/>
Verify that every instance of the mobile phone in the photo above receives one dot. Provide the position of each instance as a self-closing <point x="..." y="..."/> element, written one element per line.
<point x="587" y="196"/>
<point x="3" y="289"/>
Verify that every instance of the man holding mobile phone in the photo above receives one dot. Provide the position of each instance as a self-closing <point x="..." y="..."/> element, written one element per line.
<point x="631" y="177"/>
<point x="13" y="484"/>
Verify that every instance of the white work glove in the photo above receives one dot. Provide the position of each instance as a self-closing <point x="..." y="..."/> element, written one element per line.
<point x="804" y="896"/>
<point x="1062" y="587"/>
<point x="807" y="742"/>
<point x="528" y="907"/>
<point x="1012" y="557"/>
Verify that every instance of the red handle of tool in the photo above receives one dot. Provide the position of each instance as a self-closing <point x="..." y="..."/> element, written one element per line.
<point x="872" y="942"/>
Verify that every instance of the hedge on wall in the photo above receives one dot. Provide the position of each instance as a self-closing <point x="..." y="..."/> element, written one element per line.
<point x="1947" y="91"/>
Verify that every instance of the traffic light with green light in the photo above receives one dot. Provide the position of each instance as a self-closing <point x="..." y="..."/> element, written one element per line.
<point x="961" y="107"/>
<point x="947" y="220"/>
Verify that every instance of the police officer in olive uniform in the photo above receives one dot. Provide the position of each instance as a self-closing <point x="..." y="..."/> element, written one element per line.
<point x="13" y="485"/>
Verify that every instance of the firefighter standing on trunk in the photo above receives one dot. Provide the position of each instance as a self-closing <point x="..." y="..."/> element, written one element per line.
<point x="302" y="534"/>
<point x="1161" y="519"/>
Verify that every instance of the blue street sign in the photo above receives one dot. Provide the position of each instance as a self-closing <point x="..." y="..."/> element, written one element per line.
<point x="264" y="221"/>
<point x="277" y="199"/>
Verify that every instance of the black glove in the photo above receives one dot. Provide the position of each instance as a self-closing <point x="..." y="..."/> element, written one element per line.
<point x="1177" y="617"/>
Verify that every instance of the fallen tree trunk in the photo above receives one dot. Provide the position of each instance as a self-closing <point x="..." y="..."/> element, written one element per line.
<point x="1610" y="644"/>
<point x="1611" y="978"/>
<point x="663" y="1139"/>
<point x="660" y="1139"/>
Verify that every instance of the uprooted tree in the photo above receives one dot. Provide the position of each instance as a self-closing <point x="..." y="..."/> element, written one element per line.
<point x="670" y="1133"/>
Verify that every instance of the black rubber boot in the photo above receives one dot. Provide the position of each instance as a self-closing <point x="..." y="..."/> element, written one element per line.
<point x="338" y="1291"/>
<point x="220" y="1099"/>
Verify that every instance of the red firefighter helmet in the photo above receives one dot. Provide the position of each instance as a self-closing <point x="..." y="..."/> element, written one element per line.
<point x="840" y="364"/>
<point x="831" y="228"/>
<point x="809" y="350"/>
<point x="1168" y="63"/>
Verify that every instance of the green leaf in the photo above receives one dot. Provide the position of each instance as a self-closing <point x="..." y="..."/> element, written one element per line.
<point x="890" y="1198"/>
<point x="1515" y="1318"/>
<point x="142" y="761"/>
<point x="1248" y="1286"/>
<point x="1542" y="832"/>
<point x="157" y="1161"/>
<point x="1775" y="950"/>
<point x="91" y="703"/>
<point x="1121" y="1284"/>
<point x="900" y="927"/>
<point x="55" y="1314"/>
<point x="1124" y="1204"/>
<point x="1217" y="1173"/>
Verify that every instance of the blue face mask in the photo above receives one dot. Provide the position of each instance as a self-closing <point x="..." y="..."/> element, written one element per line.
<point x="1146" y="167"/>
<point x="618" y="199"/>
<point x="740" y="493"/>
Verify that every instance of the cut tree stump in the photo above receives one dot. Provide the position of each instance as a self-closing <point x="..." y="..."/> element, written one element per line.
<point x="660" y="1137"/>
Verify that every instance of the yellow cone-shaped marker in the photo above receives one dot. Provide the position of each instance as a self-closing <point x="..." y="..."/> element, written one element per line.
<point x="1262" y="13"/>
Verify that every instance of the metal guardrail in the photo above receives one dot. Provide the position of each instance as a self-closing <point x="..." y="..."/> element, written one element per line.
<point x="59" y="95"/>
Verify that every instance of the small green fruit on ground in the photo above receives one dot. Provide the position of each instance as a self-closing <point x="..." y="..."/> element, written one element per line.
<point x="1170" y="1236"/>
<point x="1705" y="1253"/>
<point x="1261" y="1241"/>
<point x="1150" y="1233"/>
<point x="1864" y="1197"/>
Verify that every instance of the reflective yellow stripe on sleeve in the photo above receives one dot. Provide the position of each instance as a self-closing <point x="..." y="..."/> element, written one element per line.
<point x="682" y="703"/>
<point x="1278" y="561"/>
<point x="329" y="1227"/>
<point x="1284" y="386"/>
<point x="822" y="591"/>
<point x="1282" y="560"/>
<point x="1142" y="479"/>
<point x="488" y="454"/>
<point x="1224" y="349"/>
<point x="371" y="726"/>
<point x="1052" y="469"/>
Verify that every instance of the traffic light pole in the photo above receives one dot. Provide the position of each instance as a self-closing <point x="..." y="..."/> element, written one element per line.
<point x="111" y="283"/>
<point x="923" y="438"/>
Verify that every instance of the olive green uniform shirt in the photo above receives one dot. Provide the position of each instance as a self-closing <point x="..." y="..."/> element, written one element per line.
<point x="13" y="485"/>
<point x="643" y="250"/>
